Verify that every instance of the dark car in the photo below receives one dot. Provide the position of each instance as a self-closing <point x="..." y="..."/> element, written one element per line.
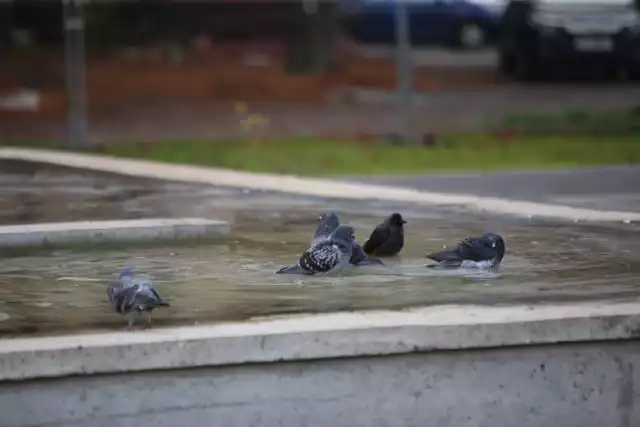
<point x="458" y="23"/>
<point x="539" y="37"/>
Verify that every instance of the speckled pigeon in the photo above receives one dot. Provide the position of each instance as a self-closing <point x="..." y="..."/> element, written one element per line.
<point x="328" y="221"/>
<point x="330" y="254"/>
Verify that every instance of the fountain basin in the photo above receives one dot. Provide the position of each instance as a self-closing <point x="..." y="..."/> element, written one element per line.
<point x="562" y="365"/>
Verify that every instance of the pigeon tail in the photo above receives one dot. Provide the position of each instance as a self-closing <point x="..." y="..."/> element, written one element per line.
<point x="292" y="269"/>
<point x="446" y="264"/>
<point x="448" y="256"/>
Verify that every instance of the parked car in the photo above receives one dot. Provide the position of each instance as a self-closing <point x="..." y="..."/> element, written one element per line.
<point x="456" y="23"/>
<point x="540" y="36"/>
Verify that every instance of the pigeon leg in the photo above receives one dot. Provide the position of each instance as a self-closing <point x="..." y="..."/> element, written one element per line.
<point x="149" y="319"/>
<point x="131" y="319"/>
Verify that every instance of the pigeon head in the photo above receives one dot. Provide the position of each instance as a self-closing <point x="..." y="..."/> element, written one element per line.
<point x="345" y="233"/>
<point x="396" y="219"/>
<point x="328" y="221"/>
<point x="127" y="270"/>
<point x="328" y="218"/>
<point x="495" y="241"/>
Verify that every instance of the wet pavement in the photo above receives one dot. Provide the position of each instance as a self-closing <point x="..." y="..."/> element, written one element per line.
<point x="61" y="290"/>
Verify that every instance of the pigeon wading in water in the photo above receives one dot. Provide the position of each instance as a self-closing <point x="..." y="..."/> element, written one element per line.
<point x="330" y="254"/>
<point x="131" y="295"/>
<point x="328" y="221"/>
<point x="485" y="251"/>
<point x="387" y="239"/>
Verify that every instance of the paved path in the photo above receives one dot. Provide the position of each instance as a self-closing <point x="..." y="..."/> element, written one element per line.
<point x="315" y="187"/>
<point x="614" y="188"/>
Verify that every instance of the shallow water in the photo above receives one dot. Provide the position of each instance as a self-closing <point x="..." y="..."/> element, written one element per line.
<point x="64" y="290"/>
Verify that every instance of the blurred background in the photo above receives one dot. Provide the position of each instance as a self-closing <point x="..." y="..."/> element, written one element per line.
<point x="381" y="92"/>
<point x="420" y="72"/>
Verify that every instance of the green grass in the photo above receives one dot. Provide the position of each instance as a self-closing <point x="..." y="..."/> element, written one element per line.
<point x="576" y="120"/>
<point x="329" y="157"/>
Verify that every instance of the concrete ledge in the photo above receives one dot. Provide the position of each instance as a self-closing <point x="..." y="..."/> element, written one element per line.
<point x="319" y="336"/>
<point x="92" y="232"/>
<point x="309" y="186"/>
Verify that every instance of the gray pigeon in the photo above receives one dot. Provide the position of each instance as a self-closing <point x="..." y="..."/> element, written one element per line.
<point x="328" y="221"/>
<point x="131" y="295"/>
<point x="486" y="251"/>
<point x="326" y="255"/>
<point x="387" y="239"/>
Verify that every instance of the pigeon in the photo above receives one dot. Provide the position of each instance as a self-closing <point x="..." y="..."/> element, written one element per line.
<point x="359" y="258"/>
<point x="485" y="251"/>
<point x="131" y="295"/>
<point x="387" y="239"/>
<point x="328" y="221"/>
<point x="330" y="254"/>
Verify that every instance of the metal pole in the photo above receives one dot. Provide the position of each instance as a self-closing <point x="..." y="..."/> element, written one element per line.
<point x="75" y="72"/>
<point x="403" y="68"/>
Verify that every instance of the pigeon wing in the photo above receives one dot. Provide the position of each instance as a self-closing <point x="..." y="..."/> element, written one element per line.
<point x="469" y="249"/>
<point x="378" y="237"/>
<point x="320" y="258"/>
<point x="136" y="297"/>
<point x="115" y="288"/>
<point x="475" y="249"/>
<point x="451" y="255"/>
<point x="123" y="299"/>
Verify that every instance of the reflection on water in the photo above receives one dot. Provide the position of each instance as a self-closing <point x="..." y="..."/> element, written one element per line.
<point x="62" y="290"/>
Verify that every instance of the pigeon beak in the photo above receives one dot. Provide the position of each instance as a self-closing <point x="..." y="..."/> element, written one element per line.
<point x="404" y="222"/>
<point x="493" y="245"/>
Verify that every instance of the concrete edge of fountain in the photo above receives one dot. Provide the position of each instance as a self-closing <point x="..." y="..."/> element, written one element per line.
<point x="317" y="336"/>
<point x="309" y="186"/>
<point x="93" y="232"/>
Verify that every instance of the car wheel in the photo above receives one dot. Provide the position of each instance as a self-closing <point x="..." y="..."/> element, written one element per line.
<point x="469" y="35"/>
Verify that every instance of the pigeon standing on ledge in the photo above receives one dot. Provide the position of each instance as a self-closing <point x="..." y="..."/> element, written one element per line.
<point x="486" y="251"/>
<point x="387" y="239"/>
<point x="131" y="295"/>
<point x="330" y="254"/>
<point x="328" y="221"/>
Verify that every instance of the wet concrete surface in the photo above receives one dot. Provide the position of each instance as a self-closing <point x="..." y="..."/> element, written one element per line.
<point x="606" y="188"/>
<point x="53" y="291"/>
